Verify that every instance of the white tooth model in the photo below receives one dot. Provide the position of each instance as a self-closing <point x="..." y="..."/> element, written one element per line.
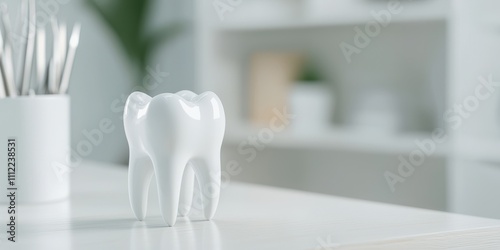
<point x="174" y="136"/>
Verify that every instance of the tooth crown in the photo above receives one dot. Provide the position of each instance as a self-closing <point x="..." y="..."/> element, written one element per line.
<point x="174" y="137"/>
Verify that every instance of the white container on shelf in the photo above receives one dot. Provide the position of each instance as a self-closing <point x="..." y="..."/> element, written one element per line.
<point x="35" y="147"/>
<point x="312" y="106"/>
<point x="376" y="112"/>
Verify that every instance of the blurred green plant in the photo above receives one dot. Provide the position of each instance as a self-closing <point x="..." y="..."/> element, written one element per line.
<point x="310" y="75"/>
<point x="127" y="19"/>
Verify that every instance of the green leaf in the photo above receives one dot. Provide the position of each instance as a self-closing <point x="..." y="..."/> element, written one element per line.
<point x="127" y="20"/>
<point x="164" y="34"/>
<point x="160" y="36"/>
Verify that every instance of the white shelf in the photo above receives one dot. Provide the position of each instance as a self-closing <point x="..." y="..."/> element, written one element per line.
<point x="341" y="13"/>
<point x="337" y="139"/>
<point x="243" y="26"/>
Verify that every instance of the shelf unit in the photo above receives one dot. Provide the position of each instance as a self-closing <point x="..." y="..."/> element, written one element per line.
<point x="431" y="55"/>
<point x="224" y="47"/>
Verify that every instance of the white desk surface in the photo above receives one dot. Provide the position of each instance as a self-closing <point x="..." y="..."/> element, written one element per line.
<point x="98" y="216"/>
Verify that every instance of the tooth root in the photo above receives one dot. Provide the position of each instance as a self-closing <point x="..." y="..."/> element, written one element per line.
<point x="169" y="173"/>
<point x="139" y="178"/>
<point x="208" y="174"/>
<point x="186" y="197"/>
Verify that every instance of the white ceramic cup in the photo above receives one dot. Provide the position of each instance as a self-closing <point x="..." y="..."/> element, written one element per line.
<point x="40" y="126"/>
